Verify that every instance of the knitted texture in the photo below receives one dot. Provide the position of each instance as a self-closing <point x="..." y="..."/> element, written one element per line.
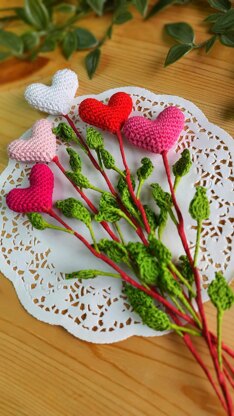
<point x="40" y="147"/>
<point x="155" y="135"/>
<point x="57" y="98"/>
<point x="108" y="117"/>
<point x="36" y="198"/>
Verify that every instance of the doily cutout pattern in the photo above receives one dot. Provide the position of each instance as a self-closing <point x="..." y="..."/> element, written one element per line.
<point x="96" y="310"/>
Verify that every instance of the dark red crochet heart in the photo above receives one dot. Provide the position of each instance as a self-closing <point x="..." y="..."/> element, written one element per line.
<point x="110" y="117"/>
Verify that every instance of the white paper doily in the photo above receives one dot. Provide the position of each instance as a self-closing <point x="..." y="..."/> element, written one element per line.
<point x="96" y="310"/>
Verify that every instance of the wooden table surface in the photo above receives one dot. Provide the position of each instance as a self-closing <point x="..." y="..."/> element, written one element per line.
<point x="43" y="369"/>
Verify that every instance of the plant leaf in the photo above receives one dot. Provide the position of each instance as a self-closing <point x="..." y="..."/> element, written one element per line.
<point x="48" y="45"/>
<point x="122" y="17"/>
<point x="222" y="5"/>
<point x="69" y="44"/>
<point x="182" y="32"/>
<point x="210" y="43"/>
<point x="141" y="6"/>
<point x="224" y="23"/>
<point x="176" y="52"/>
<point x="97" y="6"/>
<point x="65" y="8"/>
<point x="212" y="17"/>
<point x="160" y="5"/>
<point x="30" y="40"/>
<point x="92" y="61"/>
<point x="85" y="39"/>
<point x="227" y="39"/>
<point x="37" y="13"/>
<point x="11" y="41"/>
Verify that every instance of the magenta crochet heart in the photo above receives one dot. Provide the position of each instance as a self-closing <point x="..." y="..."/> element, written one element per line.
<point x="36" y="198"/>
<point x="40" y="147"/>
<point x="155" y="135"/>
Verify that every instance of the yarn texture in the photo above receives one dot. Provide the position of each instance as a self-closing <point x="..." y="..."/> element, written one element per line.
<point x="110" y="117"/>
<point x="57" y="98"/>
<point x="40" y="147"/>
<point x="36" y="198"/>
<point x="155" y="135"/>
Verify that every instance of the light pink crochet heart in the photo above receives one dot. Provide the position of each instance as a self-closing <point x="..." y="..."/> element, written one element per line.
<point x="40" y="147"/>
<point x="155" y="135"/>
<point x="36" y="198"/>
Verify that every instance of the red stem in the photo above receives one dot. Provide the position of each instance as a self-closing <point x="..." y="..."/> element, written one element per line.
<point x="225" y="347"/>
<point x="188" y="342"/>
<point x="129" y="183"/>
<point x="197" y="279"/>
<point x="124" y="275"/>
<point x="86" y="199"/>
<point x="103" y="173"/>
<point x="229" y="366"/>
<point x="231" y="381"/>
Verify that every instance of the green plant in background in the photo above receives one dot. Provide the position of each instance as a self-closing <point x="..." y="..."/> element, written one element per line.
<point x="45" y="32"/>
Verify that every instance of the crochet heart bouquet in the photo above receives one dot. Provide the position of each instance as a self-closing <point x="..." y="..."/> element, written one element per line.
<point x="120" y="218"/>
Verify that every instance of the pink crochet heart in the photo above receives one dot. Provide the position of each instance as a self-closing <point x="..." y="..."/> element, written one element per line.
<point x="36" y="198"/>
<point x="40" y="147"/>
<point x="155" y="135"/>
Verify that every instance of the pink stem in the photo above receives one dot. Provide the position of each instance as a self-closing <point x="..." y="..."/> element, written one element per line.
<point x="225" y="347"/>
<point x="103" y="173"/>
<point x="206" y="332"/>
<point x="231" y="381"/>
<point x="86" y="199"/>
<point x="229" y="366"/>
<point x="124" y="275"/>
<point x="129" y="183"/>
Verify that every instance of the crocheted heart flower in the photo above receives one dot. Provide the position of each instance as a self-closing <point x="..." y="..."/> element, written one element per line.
<point x="40" y="147"/>
<point x="108" y="117"/>
<point x="36" y="198"/>
<point x="57" y="98"/>
<point x="155" y="135"/>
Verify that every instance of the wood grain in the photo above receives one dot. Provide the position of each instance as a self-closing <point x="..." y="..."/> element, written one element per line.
<point x="43" y="369"/>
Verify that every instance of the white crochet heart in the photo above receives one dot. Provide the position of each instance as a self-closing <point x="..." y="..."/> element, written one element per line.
<point x="57" y="98"/>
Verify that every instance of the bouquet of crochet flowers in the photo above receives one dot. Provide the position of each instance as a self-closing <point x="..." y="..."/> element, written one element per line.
<point x="165" y="292"/>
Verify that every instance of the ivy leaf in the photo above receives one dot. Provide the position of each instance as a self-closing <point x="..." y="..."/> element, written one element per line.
<point x="69" y="44"/>
<point x="11" y="41"/>
<point x="199" y="207"/>
<point x="21" y="14"/>
<point x="92" y="61"/>
<point x="176" y="52"/>
<point x="227" y="39"/>
<point x="224" y="23"/>
<point x="122" y="17"/>
<point x="212" y="17"/>
<point x="160" y="5"/>
<point x="37" y="14"/>
<point x="65" y="8"/>
<point x="221" y="295"/>
<point x="182" y="32"/>
<point x="222" y="5"/>
<point x="30" y="40"/>
<point x="97" y="6"/>
<point x="210" y="43"/>
<point x="85" y="39"/>
<point x="48" y="45"/>
<point x="141" y="6"/>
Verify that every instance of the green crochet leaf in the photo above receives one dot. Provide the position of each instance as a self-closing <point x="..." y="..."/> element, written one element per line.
<point x="145" y="170"/>
<point x="64" y="132"/>
<point x="221" y="295"/>
<point x="37" y="221"/>
<point x="75" y="160"/>
<point x="149" y="313"/>
<point x="162" y="199"/>
<point x="107" y="159"/>
<point x="159" y="250"/>
<point x="128" y="203"/>
<point x="83" y="274"/>
<point x="114" y="250"/>
<point x="79" y="179"/>
<point x="109" y="214"/>
<point x="145" y="264"/>
<point x="185" y="269"/>
<point x="152" y="218"/>
<point x="199" y="207"/>
<point x="72" y="208"/>
<point x="183" y="165"/>
<point x="94" y="139"/>
<point x="122" y="185"/>
<point x="168" y="284"/>
<point x="107" y="200"/>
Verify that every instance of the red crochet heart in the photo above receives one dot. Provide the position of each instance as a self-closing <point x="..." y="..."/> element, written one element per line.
<point x="36" y="198"/>
<point x="108" y="117"/>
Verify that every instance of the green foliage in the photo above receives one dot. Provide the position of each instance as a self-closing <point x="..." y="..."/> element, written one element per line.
<point x="64" y="132"/>
<point x="168" y="284"/>
<point x="83" y="274"/>
<point x="107" y="200"/>
<point x="159" y="250"/>
<point x="199" y="207"/>
<point x="94" y="139"/>
<point x="72" y="208"/>
<point x="79" y="179"/>
<point x="122" y="185"/>
<point x="143" y="305"/>
<point x="110" y="214"/>
<point x="45" y="32"/>
<point x="185" y="269"/>
<point x="145" y="170"/>
<point x="145" y="264"/>
<point x="107" y="159"/>
<point x="75" y="160"/>
<point x="183" y="165"/>
<point x="114" y="250"/>
<point x="162" y="198"/>
<point x="152" y="218"/>
<point x="221" y="295"/>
